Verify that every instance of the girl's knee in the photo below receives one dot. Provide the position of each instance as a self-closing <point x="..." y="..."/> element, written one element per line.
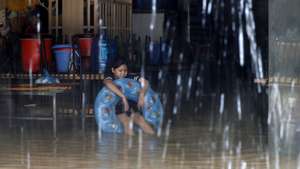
<point x="123" y="118"/>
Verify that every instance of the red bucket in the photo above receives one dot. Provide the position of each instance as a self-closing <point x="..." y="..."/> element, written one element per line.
<point x="30" y="51"/>
<point x="85" y="46"/>
<point x="48" y="45"/>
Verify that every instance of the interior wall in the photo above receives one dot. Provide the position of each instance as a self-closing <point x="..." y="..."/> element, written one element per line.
<point x="2" y="4"/>
<point x="116" y="15"/>
<point x="141" y="23"/>
<point x="72" y="17"/>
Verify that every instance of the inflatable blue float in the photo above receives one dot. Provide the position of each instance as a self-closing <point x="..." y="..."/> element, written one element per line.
<point x="106" y="102"/>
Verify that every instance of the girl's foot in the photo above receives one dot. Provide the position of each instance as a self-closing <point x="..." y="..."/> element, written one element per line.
<point x="139" y="120"/>
<point x="148" y="129"/>
<point x="129" y="132"/>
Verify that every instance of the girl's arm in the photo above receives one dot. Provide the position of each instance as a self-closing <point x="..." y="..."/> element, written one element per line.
<point x="144" y="84"/>
<point x="111" y="86"/>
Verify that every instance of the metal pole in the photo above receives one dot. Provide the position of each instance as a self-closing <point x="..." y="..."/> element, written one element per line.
<point x="83" y="111"/>
<point x="54" y="114"/>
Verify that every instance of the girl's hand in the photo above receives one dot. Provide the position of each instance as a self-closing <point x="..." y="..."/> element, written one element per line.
<point x="141" y="101"/>
<point x="144" y="84"/>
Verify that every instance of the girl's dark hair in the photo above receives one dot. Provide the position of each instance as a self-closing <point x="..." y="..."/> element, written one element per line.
<point x="117" y="62"/>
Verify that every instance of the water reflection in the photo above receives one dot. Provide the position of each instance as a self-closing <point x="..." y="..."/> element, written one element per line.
<point x="188" y="144"/>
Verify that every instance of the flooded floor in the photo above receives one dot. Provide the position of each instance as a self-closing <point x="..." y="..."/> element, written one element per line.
<point x="203" y="139"/>
<point x="185" y="145"/>
<point x="208" y="131"/>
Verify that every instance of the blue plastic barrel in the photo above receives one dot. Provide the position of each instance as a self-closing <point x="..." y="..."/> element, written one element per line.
<point x="166" y="53"/>
<point x="103" y="55"/>
<point x="154" y="51"/>
<point x="62" y="55"/>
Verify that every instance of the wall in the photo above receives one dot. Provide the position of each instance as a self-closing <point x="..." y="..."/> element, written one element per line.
<point x="72" y="17"/>
<point x="79" y="16"/>
<point x="141" y="25"/>
<point x="19" y="5"/>
<point x="2" y="4"/>
<point x="284" y="91"/>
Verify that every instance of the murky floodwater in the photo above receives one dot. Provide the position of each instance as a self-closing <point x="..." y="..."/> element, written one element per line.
<point x="183" y="144"/>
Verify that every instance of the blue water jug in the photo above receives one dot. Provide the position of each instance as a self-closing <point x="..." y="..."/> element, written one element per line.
<point x="103" y="51"/>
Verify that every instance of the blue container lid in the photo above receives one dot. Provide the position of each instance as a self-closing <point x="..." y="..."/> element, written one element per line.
<point x="61" y="46"/>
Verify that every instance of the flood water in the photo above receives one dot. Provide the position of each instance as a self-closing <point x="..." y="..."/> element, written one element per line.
<point x="200" y="139"/>
<point x="189" y="145"/>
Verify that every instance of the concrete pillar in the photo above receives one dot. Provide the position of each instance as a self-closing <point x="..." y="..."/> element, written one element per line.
<point x="284" y="92"/>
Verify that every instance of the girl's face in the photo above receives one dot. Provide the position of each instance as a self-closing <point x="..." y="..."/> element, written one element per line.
<point x="120" y="71"/>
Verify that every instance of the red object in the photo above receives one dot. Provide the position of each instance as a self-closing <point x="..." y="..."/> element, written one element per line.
<point x="48" y="44"/>
<point x="30" y="51"/>
<point x="85" y="46"/>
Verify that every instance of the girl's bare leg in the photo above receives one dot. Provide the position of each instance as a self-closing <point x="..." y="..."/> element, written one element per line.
<point x="125" y="120"/>
<point x="139" y="120"/>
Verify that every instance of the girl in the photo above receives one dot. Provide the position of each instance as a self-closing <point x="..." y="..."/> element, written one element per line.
<point x="127" y="110"/>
